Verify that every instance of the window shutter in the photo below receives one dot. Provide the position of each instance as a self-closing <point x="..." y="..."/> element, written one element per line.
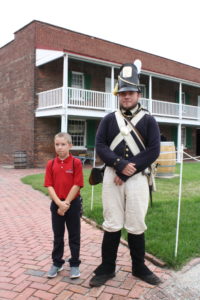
<point x="174" y="135"/>
<point x="69" y="78"/>
<point x="147" y="92"/>
<point x="187" y="98"/>
<point x="188" y="137"/>
<point x="87" y="81"/>
<point x="91" y="132"/>
<point x="177" y="96"/>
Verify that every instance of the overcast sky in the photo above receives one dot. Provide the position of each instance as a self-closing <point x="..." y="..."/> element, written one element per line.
<point x="168" y="28"/>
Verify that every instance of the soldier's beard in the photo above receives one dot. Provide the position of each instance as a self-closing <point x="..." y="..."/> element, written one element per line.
<point x="128" y="108"/>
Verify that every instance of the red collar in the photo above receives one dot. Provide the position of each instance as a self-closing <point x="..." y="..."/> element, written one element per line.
<point x="64" y="160"/>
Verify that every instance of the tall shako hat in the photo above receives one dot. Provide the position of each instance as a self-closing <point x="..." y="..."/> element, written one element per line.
<point x="128" y="79"/>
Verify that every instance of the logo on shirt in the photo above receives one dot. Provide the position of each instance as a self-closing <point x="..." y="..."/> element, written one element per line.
<point x="70" y="171"/>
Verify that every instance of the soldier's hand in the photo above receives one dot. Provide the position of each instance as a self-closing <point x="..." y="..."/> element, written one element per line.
<point x="118" y="180"/>
<point x="129" y="170"/>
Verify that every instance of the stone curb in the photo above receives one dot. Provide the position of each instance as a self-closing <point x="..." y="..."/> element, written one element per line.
<point x="156" y="261"/>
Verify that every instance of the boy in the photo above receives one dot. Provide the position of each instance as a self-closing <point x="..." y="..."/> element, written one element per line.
<point x="64" y="178"/>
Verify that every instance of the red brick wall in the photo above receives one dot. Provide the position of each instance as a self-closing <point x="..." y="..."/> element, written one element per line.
<point x="17" y="96"/>
<point x="50" y="76"/>
<point x="97" y="73"/>
<point x="45" y="130"/>
<point x="56" y="38"/>
<point x="164" y="90"/>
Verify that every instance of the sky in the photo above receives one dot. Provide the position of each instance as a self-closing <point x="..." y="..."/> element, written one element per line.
<point x="167" y="28"/>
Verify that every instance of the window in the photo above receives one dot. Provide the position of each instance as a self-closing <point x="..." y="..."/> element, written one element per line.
<point x="183" y="136"/>
<point x="77" y="80"/>
<point x="76" y="129"/>
<point x="143" y="91"/>
<point x="183" y="98"/>
<point x="108" y="84"/>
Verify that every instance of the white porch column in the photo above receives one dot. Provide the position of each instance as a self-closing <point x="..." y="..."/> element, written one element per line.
<point x="180" y="101"/>
<point x="64" y="121"/>
<point x="179" y="125"/>
<point x="150" y="94"/>
<point x="112" y="88"/>
<point x="64" y="117"/>
<point x="179" y="143"/>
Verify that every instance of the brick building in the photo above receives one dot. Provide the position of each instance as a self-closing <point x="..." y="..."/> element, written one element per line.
<point x="53" y="79"/>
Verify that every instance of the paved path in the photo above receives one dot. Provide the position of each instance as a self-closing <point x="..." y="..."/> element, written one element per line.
<point x="25" y="255"/>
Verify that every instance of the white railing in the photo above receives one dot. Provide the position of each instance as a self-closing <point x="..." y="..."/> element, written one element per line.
<point x="191" y="112"/>
<point x="51" y="98"/>
<point x="89" y="99"/>
<point x="81" y="98"/>
<point x="161" y="108"/>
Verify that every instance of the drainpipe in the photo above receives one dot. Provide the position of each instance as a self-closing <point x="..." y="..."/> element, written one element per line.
<point x="179" y="125"/>
<point x="64" y="117"/>
<point x="150" y="108"/>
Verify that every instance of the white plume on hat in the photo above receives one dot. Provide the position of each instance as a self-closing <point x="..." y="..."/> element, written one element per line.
<point x="138" y="65"/>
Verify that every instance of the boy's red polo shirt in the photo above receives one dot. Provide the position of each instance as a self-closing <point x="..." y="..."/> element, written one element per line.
<point x="63" y="174"/>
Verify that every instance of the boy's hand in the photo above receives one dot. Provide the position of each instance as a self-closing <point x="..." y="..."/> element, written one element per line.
<point x="61" y="212"/>
<point x="64" y="206"/>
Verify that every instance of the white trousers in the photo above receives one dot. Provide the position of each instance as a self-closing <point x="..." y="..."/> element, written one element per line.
<point x="125" y="205"/>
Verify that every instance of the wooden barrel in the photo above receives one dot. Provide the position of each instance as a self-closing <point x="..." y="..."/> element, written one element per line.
<point x="20" y="160"/>
<point x="166" y="160"/>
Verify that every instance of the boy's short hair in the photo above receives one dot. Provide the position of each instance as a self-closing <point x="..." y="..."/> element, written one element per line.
<point x="64" y="135"/>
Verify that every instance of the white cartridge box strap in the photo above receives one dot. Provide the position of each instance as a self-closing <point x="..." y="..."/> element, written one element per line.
<point x="125" y="132"/>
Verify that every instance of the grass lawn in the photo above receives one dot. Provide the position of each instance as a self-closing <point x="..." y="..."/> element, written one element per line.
<point x="161" y="218"/>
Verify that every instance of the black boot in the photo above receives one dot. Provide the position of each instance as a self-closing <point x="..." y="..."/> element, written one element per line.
<point x="106" y="269"/>
<point x="137" y="250"/>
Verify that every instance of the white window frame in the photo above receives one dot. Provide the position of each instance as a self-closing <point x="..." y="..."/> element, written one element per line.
<point x="82" y="147"/>
<point x="83" y="81"/>
<point x="143" y="90"/>
<point x="183" y="136"/>
<point x="183" y="101"/>
<point x="108" y="84"/>
<point x="183" y="98"/>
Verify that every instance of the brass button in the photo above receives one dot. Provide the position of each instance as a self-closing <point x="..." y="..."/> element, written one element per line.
<point x="126" y="155"/>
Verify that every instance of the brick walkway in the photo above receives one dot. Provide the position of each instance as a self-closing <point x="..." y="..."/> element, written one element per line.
<point x="25" y="251"/>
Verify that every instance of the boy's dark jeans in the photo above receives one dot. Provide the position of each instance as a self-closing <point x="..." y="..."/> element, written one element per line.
<point x="72" y="221"/>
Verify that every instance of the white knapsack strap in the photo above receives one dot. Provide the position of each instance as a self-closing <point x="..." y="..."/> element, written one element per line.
<point x="125" y="132"/>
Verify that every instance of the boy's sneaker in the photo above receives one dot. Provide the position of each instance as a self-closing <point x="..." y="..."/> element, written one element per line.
<point x="54" y="271"/>
<point x="74" y="272"/>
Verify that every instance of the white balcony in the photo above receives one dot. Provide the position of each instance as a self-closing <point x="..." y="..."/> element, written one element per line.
<point x="79" y="98"/>
<point x="100" y="101"/>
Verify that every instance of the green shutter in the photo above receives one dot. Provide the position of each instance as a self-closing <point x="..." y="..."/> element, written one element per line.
<point x="187" y="98"/>
<point x="188" y="137"/>
<point x="69" y="78"/>
<point x="91" y="132"/>
<point x="147" y="92"/>
<point x="177" y="96"/>
<point x="87" y="78"/>
<point x="174" y="134"/>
